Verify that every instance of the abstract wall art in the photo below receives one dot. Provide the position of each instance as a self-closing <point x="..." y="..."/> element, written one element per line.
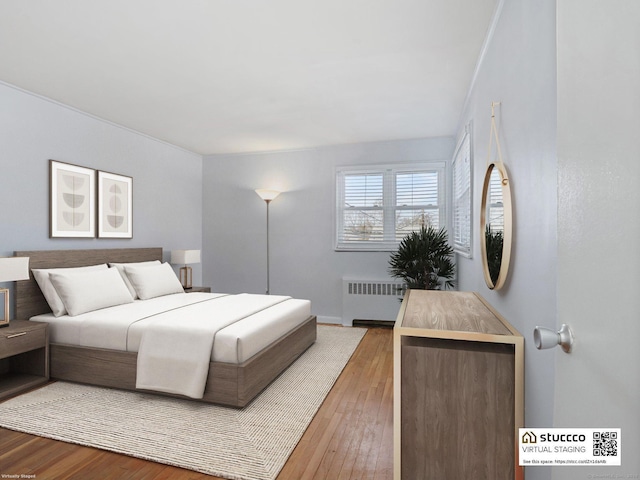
<point x="115" y="205"/>
<point x="71" y="201"/>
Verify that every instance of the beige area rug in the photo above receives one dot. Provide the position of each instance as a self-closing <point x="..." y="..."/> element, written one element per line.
<point x="252" y="443"/>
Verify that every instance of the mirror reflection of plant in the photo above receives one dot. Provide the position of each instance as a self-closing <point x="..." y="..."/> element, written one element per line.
<point x="493" y="241"/>
<point x="424" y="260"/>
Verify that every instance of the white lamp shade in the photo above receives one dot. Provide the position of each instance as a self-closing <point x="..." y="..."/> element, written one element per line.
<point x="266" y="194"/>
<point x="14" y="268"/>
<point x="185" y="257"/>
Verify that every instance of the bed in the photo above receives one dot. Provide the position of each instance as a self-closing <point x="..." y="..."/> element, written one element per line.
<point x="232" y="379"/>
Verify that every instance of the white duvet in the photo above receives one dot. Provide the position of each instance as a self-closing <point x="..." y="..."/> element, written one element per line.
<point x="176" y="348"/>
<point x="176" y="336"/>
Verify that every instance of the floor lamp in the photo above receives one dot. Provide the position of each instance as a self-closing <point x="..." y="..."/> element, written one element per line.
<point x="267" y="196"/>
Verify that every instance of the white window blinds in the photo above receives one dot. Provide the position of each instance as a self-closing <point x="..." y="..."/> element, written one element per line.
<point x="363" y="210"/>
<point x="377" y="206"/>
<point x="461" y="183"/>
<point x="417" y="202"/>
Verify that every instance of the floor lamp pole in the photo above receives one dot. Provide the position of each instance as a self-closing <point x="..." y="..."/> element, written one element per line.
<point x="267" y="202"/>
<point x="267" y="196"/>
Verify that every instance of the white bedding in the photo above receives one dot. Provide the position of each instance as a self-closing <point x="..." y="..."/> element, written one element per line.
<point x="121" y="327"/>
<point x="175" y="349"/>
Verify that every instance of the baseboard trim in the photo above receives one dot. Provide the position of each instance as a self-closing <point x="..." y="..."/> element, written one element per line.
<point x="329" y="320"/>
<point x="374" y="323"/>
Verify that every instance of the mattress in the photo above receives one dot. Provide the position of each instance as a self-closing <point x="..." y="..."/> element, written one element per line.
<point x="121" y="327"/>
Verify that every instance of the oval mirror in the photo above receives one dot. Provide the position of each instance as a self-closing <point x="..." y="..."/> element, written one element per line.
<point x="495" y="226"/>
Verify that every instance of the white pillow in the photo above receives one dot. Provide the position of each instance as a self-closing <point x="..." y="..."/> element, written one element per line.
<point x="48" y="290"/>
<point x="85" y="292"/>
<point x="154" y="281"/>
<point x="120" y="267"/>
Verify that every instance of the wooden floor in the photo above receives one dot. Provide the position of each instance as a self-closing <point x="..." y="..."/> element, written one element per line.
<point x="351" y="436"/>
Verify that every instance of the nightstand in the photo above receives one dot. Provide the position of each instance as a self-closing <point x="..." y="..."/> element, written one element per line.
<point x="24" y="357"/>
<point x="198" y="289"/>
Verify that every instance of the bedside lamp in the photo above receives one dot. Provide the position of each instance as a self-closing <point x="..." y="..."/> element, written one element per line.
<point x="11" y="269"/>
<point x="185" y="257"/>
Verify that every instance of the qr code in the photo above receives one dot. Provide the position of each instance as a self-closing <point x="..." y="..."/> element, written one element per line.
<point x="605" y="444"/>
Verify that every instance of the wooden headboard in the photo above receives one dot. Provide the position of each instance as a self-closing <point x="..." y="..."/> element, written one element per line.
<point x="29" y="298"/>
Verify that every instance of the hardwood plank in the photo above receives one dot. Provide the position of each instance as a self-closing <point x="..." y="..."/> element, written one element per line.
<point x="350" y="437"/>
<point x="364" y="439"/>
<point x="384" y="425"/>
<point x="338" y="458"/>
<point x="384" y="464"/>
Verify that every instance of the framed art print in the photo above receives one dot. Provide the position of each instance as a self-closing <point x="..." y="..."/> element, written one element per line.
<point x="115" y="205"/>
<point x="71" y="201"/>
<point x="4" y="294"/>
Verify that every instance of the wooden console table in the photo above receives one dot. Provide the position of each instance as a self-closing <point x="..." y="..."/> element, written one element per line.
<point x="458" y="389"/>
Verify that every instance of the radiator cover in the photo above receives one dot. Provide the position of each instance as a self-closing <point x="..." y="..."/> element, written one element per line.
<point x="370" y="299"/>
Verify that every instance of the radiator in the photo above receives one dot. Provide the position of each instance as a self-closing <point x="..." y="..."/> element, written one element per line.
<point x="370" y="299"/>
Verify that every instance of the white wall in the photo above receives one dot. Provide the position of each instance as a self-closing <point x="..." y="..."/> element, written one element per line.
<point x="598" y="385"/>
<point x="519" y="70"/>
<point x="303" y="261"/>
<point x="167" y="188"/>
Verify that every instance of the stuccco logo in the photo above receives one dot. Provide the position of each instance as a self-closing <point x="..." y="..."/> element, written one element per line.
<point x="530" y="437"/>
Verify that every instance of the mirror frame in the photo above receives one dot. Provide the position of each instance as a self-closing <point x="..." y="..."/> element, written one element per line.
<point x="507" y="233"/>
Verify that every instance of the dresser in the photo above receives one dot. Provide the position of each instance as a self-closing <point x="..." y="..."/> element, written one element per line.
<point x="458" y="389"/>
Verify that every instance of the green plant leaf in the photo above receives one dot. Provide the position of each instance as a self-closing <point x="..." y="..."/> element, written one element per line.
<point x="424" y="260"/>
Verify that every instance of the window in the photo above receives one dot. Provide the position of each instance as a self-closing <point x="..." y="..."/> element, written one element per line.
<point x="461" y="166"/>
<point x="377" y="206"/>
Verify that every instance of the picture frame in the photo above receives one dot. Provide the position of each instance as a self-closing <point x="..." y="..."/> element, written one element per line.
<point x="4" y="296"/>
<point x="71" y="201"/>
<point x="115" y="205"/>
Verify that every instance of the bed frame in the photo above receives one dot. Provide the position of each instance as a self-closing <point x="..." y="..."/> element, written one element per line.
<point x="227" y="384"/>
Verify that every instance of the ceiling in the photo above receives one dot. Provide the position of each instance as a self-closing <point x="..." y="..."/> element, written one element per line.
<point x="227" y="76"/>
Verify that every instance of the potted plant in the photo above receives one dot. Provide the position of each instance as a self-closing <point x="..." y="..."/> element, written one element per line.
<point x="424" y="260"/>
